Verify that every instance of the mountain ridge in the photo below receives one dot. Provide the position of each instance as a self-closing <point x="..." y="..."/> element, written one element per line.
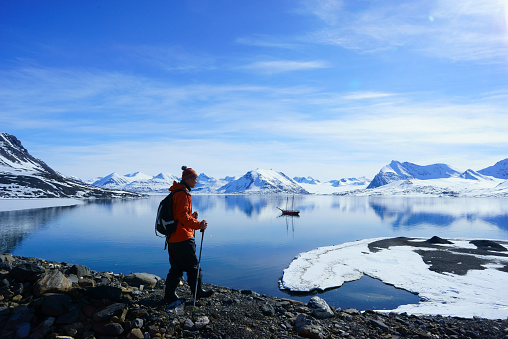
<point x="24" y="176"/>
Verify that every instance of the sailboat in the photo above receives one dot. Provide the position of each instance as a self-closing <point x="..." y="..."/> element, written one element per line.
<point x="289" y="211"/>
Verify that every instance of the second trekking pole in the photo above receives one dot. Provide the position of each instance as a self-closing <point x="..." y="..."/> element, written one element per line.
<point x="197" y="276"/>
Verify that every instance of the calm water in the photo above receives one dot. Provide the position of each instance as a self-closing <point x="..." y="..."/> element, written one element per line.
<point x="248" y="244"/>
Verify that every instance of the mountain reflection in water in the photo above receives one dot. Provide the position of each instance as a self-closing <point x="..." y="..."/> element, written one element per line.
<point x="247" y="244"/>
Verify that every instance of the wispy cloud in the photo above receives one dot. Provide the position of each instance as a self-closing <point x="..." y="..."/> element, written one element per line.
<point x="279" y="66"/>
<point x="168" y="58"/>
<point x="129" y="120"/>
<point x="326" y="10"/>
<point x="448" y="29"/>
<point x="266" y="41"/>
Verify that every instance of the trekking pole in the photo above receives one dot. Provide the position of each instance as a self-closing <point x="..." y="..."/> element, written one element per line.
<point x="197" y="275"/>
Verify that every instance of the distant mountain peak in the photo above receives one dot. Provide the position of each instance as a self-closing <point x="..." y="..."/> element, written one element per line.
<point x="396" y="171"/>
<point x="24" y="176"/>
<point x="473" y="175"/>
<point x="350" y="182"/>
<point x="306" y="180"/>
<point x="499" y="170"/>
<point x="14" y="156"/>
<point x="263" y="181"/>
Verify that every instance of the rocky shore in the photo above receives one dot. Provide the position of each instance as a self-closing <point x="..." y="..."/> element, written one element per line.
<point x="43" y="299"/>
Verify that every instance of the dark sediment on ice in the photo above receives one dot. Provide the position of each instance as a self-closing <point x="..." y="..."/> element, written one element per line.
<point x="42" y="299"/>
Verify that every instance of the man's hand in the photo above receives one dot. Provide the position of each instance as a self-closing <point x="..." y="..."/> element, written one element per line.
<point x="203" y="225"/>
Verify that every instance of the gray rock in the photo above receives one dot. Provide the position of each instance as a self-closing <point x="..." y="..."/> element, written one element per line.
<point x="488" y="245"/>
<point x="118" y="309"/>
<point x="320" y="308"/>
<point x="137" y="323"/>
<point x="27" y="272"/>
<point x="201" y="322"/>
<point x="70" y="317"/>
<point x="138" y="279"/>
<point x="135" y="333"/>
<point x="54" y="305"/>
<point x="267" y="310"/>
<point x="380" y="324"/>
<point x="189" y="325"/>
<point x="109" y="329"/>
<point x="80" y="271"/>
<point x="6" y="258"/>
<point x="308" y="327"/>
<point x="437" y="240"/>
<point x="53" y="282"/>
<point x="5" y="266"/>
<point x="4" y="284"/>
<point x="104" y="292"/>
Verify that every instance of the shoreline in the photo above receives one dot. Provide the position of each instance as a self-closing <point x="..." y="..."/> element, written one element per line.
<point x="45" y="299"/>
<point x="18" y="204"/>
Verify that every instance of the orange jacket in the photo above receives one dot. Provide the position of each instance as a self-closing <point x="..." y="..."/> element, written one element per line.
<point x="182" y="211"/>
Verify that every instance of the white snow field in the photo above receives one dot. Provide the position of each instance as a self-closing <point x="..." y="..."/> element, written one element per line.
<point x="479" y="292"/>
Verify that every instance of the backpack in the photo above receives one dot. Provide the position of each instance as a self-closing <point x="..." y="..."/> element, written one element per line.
<point x="165" y="223"/>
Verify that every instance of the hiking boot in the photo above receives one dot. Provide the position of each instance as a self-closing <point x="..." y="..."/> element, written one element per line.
<point x="170" y="289"/>
<point x="200" y="292"/>
<point x="203" y="294"/>
<point x="170" y="298"/>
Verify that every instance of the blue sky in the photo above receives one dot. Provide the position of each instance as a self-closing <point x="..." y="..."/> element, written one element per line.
<point x="326" y="88"/>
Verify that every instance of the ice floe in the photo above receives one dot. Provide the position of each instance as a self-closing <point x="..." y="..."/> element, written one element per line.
<point x="457" y="278"/>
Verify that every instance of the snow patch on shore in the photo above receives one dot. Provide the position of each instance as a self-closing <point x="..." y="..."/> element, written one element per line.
<point x="478" y="293"/>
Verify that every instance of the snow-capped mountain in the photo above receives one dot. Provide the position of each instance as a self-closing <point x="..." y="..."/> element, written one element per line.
<point x="264" y="182"/>
<point x="112" y="181"/>
<point x="306" y="180"/>
<point x="396" y="171"/>
<point x="499" y="170"/>
<point x="138" y="182"/>
<point x="208" y="184"/>
<point x="343" y="185"/>
<point x="350" y="181"/>
<point x="435" y="180"/>
<point x="473" y="175"/>
<point x="24" y="176"/>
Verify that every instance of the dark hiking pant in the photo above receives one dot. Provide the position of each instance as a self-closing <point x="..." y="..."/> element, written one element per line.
<point x="182" y="258"/>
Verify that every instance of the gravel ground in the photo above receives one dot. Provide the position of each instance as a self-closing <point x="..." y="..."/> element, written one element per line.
<point x="42" y="299"/>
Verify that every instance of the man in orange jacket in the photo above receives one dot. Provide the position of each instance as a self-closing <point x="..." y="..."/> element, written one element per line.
<point x="181" y="243"/>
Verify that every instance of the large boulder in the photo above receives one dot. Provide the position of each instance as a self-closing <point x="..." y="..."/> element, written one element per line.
<point x="320" y="308"/>
<point x="80" y="271"/>
<point x="138" y="279"/>
<point x="27" y="272"/>
<point x="53" y="282"/>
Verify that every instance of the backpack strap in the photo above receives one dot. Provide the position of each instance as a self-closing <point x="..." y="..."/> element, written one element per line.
<point x="172" y="193"/>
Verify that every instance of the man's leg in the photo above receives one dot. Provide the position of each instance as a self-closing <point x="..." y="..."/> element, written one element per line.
<point x="191" y="267"/>
<point x="175" y="273"/>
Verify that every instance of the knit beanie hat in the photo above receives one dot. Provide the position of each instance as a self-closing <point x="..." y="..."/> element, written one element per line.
<point x="188" y="173"/>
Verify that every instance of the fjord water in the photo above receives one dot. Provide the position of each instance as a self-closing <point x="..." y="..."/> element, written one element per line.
<point x="248" y="243"/>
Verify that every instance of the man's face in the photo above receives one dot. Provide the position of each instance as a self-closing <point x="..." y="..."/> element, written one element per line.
<point x="192" y="182"/>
